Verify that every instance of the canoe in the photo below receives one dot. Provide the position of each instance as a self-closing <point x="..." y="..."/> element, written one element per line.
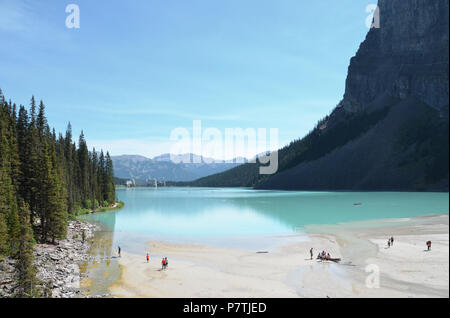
<point x="336" y="260"/>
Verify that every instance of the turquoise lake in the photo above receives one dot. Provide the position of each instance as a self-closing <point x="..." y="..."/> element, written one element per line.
<point x="237" y="216"/>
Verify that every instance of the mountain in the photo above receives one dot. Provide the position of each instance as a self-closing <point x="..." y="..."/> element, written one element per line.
<point x="390" y="131"/>
<point x="164" y="169"/>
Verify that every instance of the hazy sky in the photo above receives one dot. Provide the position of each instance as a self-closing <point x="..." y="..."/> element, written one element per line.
<point x="135" y="70"/>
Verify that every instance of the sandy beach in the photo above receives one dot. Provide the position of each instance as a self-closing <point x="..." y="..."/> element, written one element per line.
<point x="405" y="270"/>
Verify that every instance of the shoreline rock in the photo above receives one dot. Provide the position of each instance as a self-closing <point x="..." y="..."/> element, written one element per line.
<point x="57" y="265"/>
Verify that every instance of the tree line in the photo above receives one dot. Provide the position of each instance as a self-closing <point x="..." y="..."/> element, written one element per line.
<point x="45" y="180"/>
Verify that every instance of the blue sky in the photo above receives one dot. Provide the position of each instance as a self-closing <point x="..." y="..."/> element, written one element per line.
<point x="135" y="70"/>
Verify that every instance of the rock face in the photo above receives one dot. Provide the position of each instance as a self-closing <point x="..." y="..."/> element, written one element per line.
<point x="57" y="265"/>
<point x="390" y="131"/>
<point x="406" y="56"/>
<point x="6" y="277"/>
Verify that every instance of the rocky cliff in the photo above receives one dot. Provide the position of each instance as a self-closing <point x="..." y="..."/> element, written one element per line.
<point x="407" y="55"/>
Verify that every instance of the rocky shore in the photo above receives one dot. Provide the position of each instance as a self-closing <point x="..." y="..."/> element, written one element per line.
<point x="57" y="265"/>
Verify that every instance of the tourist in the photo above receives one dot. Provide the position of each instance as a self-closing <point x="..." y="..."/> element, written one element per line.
<point x="328" y="256"/>
<point x="163" y="263"/>
<point x="429" y="245"/>
<point x="392" y="241"/>
<point x="118" y="250"/>
<point x="148" y="257"/>
<point x="311" y="252"/>
<point x="389" y="242"/>
<point x="166" y="262"/>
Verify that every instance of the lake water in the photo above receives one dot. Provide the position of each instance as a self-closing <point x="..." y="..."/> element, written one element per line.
<point x="237" y="217"/>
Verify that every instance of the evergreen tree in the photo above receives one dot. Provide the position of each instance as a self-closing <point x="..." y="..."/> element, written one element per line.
<point x="102" y="177"/>
<point x="25" y="270"/>
<point x="57" y="213"/>
<point x="69" y="170"/>
<point x="24" y="154"/>
<point x="3" y="203"/>
<point x="83" y="161"/>
<point x="8" y="195"/>
<point x="32" y="163"/>
<point x="110" y="194"/>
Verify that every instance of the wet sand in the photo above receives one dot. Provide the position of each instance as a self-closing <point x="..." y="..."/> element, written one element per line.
<point x="405" y="269"/>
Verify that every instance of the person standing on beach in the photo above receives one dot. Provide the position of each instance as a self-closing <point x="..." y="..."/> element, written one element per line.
<point x="429" y="245"/>
<point x="148" y="257"/>
<point x="389" y="242"/>
<point x="311" y="252"/>
<point x="392" y="241"/>
<point x="118" y="250"/>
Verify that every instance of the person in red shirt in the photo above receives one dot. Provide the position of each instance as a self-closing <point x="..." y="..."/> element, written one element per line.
<point x="148" y="257"/>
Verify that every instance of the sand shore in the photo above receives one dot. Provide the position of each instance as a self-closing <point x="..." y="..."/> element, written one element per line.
<point x="405" y="270"/>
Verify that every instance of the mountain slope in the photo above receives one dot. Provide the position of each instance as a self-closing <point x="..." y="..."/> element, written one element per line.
<point x="390" y="132"/>
<point x="393" y="155"/>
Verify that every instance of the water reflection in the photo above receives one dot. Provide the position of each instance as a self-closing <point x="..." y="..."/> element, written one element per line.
<point x="102" y="268"/>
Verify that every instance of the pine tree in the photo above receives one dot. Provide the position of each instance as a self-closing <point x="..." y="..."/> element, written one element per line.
<point x="24" y="154"/>
<point x="4" y="208"/>
<point x="83" y="161"/>
<point x="110" y="189"/>
<point x="96" y="191"/>
<point x="102" y="177"/>
<point x="25" y="270"/>
<point x="3" y="203"/>
<point x="57" y="208"/>
<point x="3" y="232"/>
<point x="32" y="163"/>
<point x="8" y="195"/>
<point x="69" y="171"/>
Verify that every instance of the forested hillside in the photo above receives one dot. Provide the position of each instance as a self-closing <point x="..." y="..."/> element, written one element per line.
<point x="45" y="179"/>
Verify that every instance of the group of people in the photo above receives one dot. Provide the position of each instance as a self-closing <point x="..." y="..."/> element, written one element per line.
<point x="164" y="262"/>
<point x="323" y="255"/>
<point x="390" y="241"/>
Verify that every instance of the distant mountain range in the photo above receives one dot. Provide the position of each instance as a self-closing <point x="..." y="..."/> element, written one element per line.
<point x="391" y="130"/>
<point x="166" y="167"/>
